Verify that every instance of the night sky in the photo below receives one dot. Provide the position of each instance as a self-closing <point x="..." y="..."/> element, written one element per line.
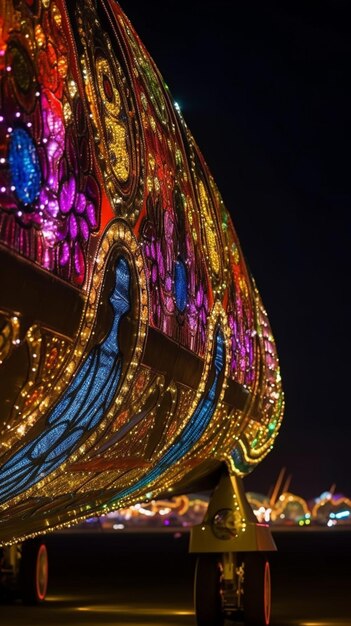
<point x="266" y="93"/>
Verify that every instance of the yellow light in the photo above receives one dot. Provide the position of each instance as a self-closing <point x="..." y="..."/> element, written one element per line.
<point x="132" y="610"/>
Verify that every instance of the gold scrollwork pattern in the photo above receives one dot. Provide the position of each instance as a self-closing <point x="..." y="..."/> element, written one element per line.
<point x="9" y="334"/>
<point x="46" y="355"/>
<point x="113" y="113"/>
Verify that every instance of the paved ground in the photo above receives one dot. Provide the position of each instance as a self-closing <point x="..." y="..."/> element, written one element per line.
<point x="147" y="579"/>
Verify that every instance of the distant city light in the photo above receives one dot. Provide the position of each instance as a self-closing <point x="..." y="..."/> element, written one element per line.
<point x="342" y="514"/>
<point x="183" y="511"/>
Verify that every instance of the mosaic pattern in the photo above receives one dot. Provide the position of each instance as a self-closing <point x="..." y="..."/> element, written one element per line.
<point x="50" y="201"/>
<point x="113" y="112"/>
<point x="131" y="377"/>
<point x="178" y="293"/>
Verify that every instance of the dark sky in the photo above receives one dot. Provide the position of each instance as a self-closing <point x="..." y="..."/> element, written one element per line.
<point x="265" y="90"/>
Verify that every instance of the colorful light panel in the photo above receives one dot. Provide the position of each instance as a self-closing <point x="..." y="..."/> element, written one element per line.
<point x="134" y="345"/>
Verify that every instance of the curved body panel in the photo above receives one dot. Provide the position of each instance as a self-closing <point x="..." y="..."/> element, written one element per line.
<point x="135" y="353"/>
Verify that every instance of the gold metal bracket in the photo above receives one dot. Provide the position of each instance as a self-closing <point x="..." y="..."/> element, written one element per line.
<point x="230" y="524"/>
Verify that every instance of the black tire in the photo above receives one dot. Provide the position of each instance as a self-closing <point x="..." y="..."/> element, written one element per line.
<point x="33" y="573"/>
<point x="257" y="590"/>
<point x="208" y="604"/>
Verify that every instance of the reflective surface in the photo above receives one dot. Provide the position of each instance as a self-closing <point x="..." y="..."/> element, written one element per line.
<point x="143" y="579"/>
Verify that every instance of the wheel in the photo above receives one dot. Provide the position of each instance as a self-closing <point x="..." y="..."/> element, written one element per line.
<point x="33" y="573"/>
<point x="207" y="591"/>
<point x="257" y="590"/>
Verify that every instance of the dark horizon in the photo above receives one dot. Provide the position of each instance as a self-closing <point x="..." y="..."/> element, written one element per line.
<point x="266" y="93"/>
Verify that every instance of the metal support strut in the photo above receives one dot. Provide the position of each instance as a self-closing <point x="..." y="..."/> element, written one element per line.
<point x="230" y="524"/>
<point x="232" y="574"/>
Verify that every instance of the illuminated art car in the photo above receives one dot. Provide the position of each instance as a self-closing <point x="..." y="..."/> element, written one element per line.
<point x="136" y="357"/>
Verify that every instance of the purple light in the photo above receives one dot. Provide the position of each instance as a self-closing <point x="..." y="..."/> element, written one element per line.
<point x="73" y="226"/>
<point x="67" y="195"/>
<point x="90" y="213"/>
<point x="81" y="203"/>
<point x="64" y="253"/>
<point x="84" y="228"/>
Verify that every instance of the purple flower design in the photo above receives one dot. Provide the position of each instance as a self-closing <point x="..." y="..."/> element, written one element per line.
<point x="55" y="227"/>
<point x="162" y="244"/>
<point x="242" y="344"/>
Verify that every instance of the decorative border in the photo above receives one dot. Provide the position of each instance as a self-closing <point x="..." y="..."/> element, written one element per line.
<point x="117" y="235"/>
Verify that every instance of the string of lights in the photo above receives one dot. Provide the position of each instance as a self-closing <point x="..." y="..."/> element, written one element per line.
<point x="133" y="340"/>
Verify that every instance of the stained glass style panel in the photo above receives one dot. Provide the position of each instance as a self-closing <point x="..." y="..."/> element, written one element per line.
<point x="81" y="407"/>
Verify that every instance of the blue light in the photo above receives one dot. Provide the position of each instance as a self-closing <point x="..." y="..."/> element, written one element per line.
<point x="239" y="461"/>
<point x="24" y="166"/>
<point x="342" y="514"/>
<point x="194" y="428"/>
<point x="79" y="410"/>
<point x="180" y="285"/>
